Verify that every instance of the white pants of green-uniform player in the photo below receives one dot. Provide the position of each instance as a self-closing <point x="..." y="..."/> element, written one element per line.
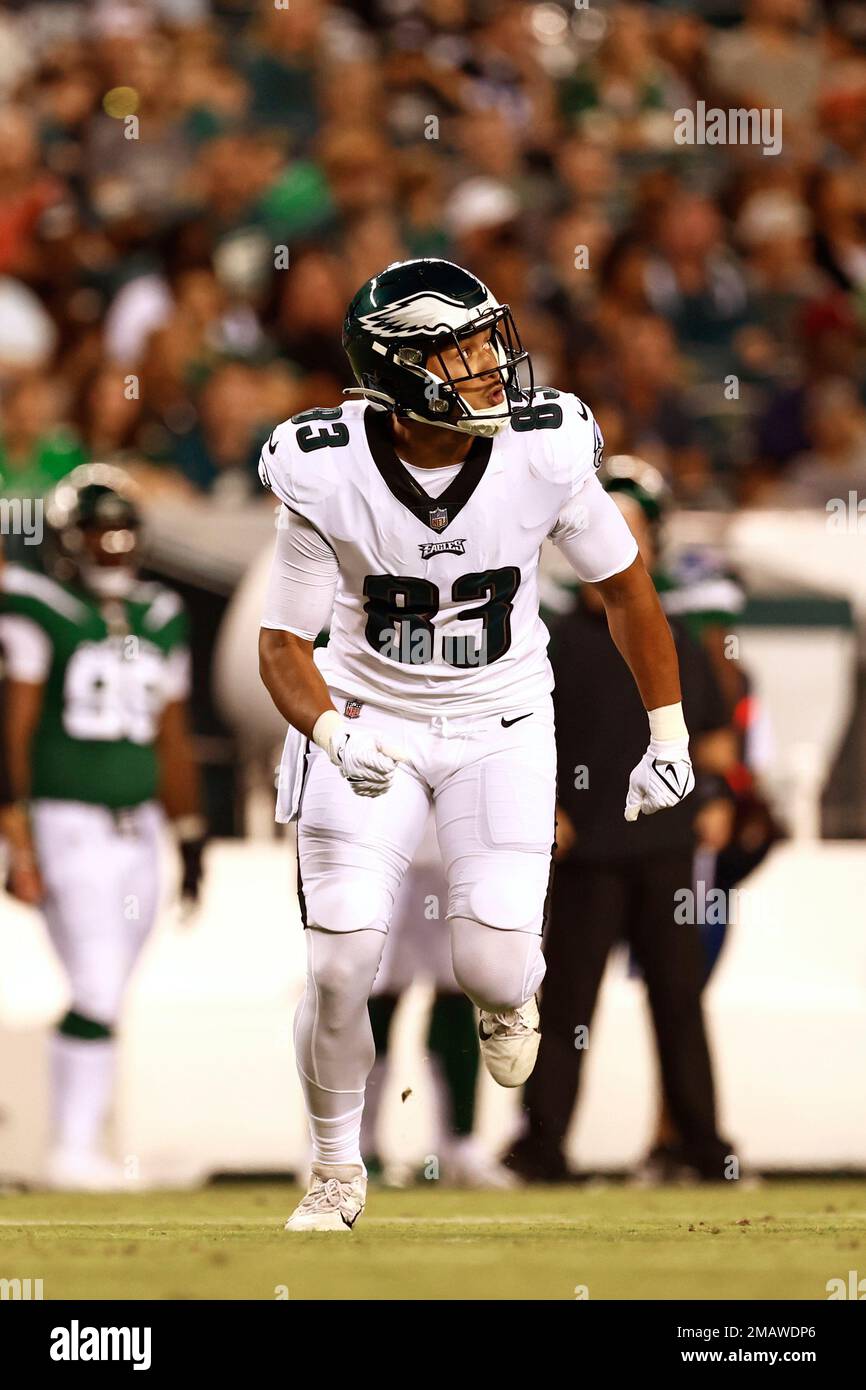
<point x="100" y="873"/>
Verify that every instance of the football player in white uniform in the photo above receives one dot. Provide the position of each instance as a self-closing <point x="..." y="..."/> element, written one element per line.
<point x="412" y="520"/>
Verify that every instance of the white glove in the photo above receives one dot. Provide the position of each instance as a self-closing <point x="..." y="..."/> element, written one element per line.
<point x="662" y="778"/>
<point x="366" y="762"/>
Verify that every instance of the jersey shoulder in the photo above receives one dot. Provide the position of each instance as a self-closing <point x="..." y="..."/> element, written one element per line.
<point x="31" y="594"/>
<point x="304" y="459"/>
<point x="564" y="441"/>
<point x="160" y="613"/>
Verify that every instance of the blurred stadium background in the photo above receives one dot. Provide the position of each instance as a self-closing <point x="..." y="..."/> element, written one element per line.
<point x="190" y="192"/>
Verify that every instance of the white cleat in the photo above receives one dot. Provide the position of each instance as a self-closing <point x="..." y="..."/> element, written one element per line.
<point x="468" y="1164"/>
<point x="509" y="1043"/>
<point x="334" y="1200"/>
<point x="84" y="1170"/>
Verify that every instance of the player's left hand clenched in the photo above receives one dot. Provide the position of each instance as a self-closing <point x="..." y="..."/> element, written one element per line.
<point x="662" y="778"/>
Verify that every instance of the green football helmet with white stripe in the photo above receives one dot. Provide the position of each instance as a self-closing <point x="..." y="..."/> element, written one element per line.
<point x="402" y="320"/>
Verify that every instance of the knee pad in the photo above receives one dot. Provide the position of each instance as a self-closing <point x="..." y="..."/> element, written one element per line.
<point x="497" y="969"/>
<point x="508" y="901"/>
<point x="354" y="903"/>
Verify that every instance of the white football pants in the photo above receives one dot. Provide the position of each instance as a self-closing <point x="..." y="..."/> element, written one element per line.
<point x="490" y="781"/>
<point x="100" y="873"/>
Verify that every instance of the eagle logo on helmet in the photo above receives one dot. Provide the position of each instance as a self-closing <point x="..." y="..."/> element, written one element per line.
<point x="418" y="313"/>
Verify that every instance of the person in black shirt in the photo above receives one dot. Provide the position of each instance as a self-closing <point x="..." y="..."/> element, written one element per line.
<point x="616" y="880"/>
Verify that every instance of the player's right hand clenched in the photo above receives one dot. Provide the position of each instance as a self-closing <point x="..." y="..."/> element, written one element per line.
<point x="364" y="759"/>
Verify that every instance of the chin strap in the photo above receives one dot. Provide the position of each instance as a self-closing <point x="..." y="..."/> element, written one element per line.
<point x="470" y="424"/>
<point x="374" y="397"/>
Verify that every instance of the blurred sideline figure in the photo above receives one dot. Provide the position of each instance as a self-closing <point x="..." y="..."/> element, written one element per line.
<point x="96" y="736"/>
<point x="418" y="946"/>
<point x="611" y="884"/>
<point x="735" y="826"/>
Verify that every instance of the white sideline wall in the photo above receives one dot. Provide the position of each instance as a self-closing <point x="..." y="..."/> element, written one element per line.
<point x="208" y="1080"/>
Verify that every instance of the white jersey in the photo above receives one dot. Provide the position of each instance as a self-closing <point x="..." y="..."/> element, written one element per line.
<point x="436" y="605"/>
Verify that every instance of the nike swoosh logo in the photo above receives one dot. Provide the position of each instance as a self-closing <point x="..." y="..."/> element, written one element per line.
<point x="671" y="781"/>
<point x="507" y="723"/>
<point x="272" y="447"/>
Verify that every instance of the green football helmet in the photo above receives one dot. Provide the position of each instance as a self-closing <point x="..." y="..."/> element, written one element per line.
<point x="639" y="480"/>
<point x="93" y="522"/>
<point x="399" y="323"/>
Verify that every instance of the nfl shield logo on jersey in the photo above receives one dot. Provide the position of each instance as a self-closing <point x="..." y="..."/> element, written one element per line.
<point x="438" y="518"/>
<point x="353" y="709"/>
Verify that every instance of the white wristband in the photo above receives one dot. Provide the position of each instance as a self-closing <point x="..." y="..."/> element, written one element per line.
<point x="667" y="723"/>
<point x="327" y="724"/>
<point x="190" y="827"/>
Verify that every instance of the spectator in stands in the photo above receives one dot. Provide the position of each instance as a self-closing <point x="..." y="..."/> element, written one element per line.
<point x="36" y="449"/>
<point x="836" y="463"/>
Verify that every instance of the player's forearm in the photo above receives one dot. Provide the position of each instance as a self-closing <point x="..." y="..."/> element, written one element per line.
<point x="292" y="678"/>
<point x="640" y="630"/>
<point x="23" y="708"/>
<point x="180" y="782"/>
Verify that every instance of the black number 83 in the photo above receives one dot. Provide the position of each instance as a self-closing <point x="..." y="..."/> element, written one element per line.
<point x="400" y="610"/>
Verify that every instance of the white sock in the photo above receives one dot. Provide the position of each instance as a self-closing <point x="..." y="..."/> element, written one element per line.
<point x="82" y="1083"/>
<point x="334" y="1047"/>
<point x="338" y="1140"/>
<point x="372" y="1105"/>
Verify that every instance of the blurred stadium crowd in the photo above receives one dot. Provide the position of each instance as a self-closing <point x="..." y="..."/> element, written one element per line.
<point x="191" y="190"/>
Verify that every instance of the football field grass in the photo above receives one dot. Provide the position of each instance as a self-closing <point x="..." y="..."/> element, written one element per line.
<point x="780" y="1240"/>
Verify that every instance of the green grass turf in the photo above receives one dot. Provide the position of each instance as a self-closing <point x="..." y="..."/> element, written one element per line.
<point x="782" y="1240"/>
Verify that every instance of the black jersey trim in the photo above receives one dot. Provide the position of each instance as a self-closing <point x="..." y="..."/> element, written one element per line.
<point x="408" y="492"/>
<point x="302" y="900"/>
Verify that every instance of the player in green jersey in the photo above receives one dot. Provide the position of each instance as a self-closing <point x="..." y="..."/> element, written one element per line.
<point x="98" y="752"/>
